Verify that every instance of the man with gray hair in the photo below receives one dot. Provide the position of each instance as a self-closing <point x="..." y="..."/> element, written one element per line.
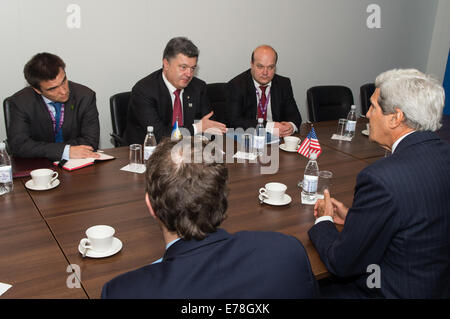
<point x="171" y="94"/>
<point x="395" y="241"/>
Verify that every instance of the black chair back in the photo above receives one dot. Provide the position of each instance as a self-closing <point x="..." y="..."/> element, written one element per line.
<point x="217" y="95"/>
<point x="119" y="106"/>
<point x="328" y="102"/>
<point x="6" y="113"/>
<point x="366" y="92"/>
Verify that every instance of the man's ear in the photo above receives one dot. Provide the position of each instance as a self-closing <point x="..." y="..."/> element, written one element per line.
<point x="165" y="64"/>
<point x="37" y="91"/>
<point x="149" y="205"/>
<point x="397" y="118"/>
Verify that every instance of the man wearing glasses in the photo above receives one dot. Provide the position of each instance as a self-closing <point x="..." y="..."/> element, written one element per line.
<point x="53" y="118"/>
<point x="260" y="93"/>
<point x="171" y="94"/>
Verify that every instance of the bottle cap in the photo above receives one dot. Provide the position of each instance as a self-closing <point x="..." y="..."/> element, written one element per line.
<point x="313" y="156"/>
<point x="260" y="120"/>
<point x="2" y="146"/>
<point x="149" y="128"/>
<point x="353" y="107"/>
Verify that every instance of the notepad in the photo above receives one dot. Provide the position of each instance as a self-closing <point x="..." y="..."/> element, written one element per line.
<point x="77" y="163"/>
<point x="341" y="138"/>
<point x="4" y="288"/>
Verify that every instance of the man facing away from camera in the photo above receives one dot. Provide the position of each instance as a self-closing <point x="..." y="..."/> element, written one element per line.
<point x="189" y="201"/>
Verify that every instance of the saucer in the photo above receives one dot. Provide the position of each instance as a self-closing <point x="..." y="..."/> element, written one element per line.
<point x="30" y="185"/>
<point x="365" y="132"/>
<point x="283" y="147"/>
<point x="116" y="247"/>
<point x="286" y="200"/>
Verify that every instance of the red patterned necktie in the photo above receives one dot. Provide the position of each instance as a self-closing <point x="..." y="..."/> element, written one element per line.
<point x="177" y="113"/>
<point x="262" y="106"/>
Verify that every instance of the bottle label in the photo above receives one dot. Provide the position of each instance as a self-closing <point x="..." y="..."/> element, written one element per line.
<point x="6" y="174"/>
<point x="148" y="151"/>
<point x="310" y="183"/>
<point x="258" y="142"/>
<point x="350" y="126"/>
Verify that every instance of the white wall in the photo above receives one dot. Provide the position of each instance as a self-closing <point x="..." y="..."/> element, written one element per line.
<point x="441" y="41"/>
<point x="119" y="42"/>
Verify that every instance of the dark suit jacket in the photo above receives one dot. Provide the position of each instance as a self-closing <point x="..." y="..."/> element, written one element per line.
<point x="399" y="220"/>
<point x="243" y="265"/>
<point x="31" y="130"/>
<point x="242" y="106"/>
<point x="151" y="105"/>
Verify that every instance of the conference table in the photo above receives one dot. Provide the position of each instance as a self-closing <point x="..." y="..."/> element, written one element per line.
<point x="40" y="230"/>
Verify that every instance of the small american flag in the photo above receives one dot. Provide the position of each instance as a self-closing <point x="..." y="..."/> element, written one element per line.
<point x="310" y="145"/>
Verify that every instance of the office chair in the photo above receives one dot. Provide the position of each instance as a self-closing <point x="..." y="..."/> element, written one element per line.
<point x="365" y="92"/>
<point x="119" y="106"/>
<point x="6" y="113"/>
<point x="7" y="116"/>
<point x="217" y="95"/>
<point x="329" y="102"/>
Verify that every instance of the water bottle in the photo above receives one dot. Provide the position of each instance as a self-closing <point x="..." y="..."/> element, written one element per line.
<point x="310" y="178"/>
<point x="149" y="143"/>
<point x="6" y="176"/>
<point x="351" y="122"/>
<point x="259" y="140"/>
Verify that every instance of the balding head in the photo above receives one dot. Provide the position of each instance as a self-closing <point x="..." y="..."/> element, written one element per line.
<point x="263" y="64"/>
<point x="265" y="50"/>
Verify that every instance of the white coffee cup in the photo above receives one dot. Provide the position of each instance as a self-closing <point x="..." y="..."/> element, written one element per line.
<point x="43" y="177"/>
<point x="273" y="191"/>
<point x="99" y="238"/>
<point x="292" y="143"/>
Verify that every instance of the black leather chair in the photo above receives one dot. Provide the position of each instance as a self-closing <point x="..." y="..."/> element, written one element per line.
<point x="7" y="116"/>
<point x="119" y="106"/>
<point x="217" y="95"/>
<point x="365" y="92"/>
<point x="6" y="113"/>
<point x="328" y="102"/>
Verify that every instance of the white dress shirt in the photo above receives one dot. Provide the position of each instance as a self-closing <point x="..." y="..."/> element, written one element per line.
<point x="172" y="89"/>
<point x="270" y="123"/>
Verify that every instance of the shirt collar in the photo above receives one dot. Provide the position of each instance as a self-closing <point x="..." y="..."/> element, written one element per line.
<point x="257" y="85"/>
<point x="394" y="146"/>
<point x="47" y="101"/>
<point x="169" y="85"/>
<point x="171" y="243"/>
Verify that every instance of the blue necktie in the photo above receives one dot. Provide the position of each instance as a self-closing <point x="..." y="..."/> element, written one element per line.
<point x="58" y="132"/>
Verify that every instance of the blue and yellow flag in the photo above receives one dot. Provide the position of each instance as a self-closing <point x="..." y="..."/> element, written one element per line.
<point x="176" y="134"/>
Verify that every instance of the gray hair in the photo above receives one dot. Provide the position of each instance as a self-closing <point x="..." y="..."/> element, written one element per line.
<point x="418" y="95"/>
<point x="180" y="45"/>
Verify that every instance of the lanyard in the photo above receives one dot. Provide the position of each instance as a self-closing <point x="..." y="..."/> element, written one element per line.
<point x="61" y="120"/>
<point x="260" y="105"/>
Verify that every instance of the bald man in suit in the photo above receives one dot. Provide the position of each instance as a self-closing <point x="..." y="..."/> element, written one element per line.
<point x="260" y="92"/>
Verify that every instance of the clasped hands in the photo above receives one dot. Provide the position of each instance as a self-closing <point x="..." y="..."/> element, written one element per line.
<point x="330" y="207"/>
<point x="283" y="129"/>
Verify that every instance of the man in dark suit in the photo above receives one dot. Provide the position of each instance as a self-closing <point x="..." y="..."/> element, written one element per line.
<point x="260" y="93"/>
<point x="188" y="199"/>
<point x="395" y="241"/>
<point x="171" y="94"/>
<point x="52" y="118"/>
